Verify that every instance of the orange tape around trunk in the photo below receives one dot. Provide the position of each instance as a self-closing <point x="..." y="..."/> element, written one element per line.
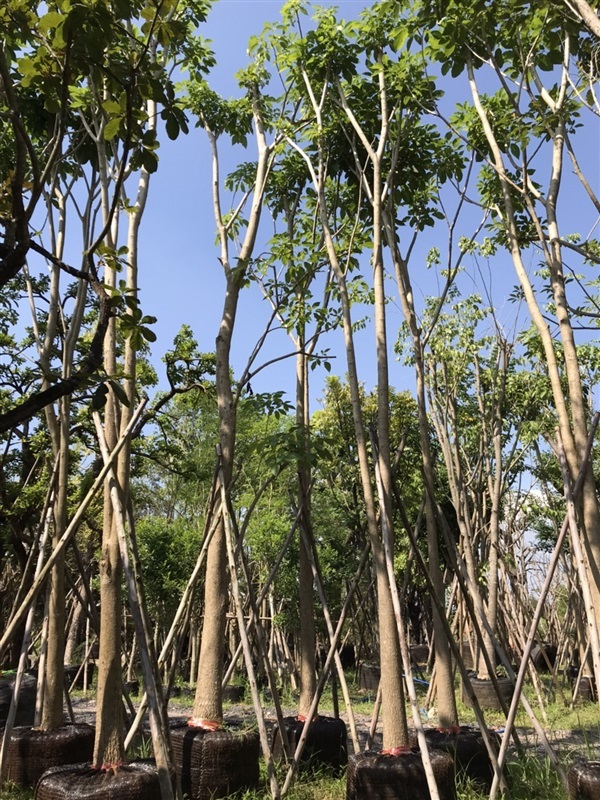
<point x="205" y="724"/>
<point x="396" y="751"/>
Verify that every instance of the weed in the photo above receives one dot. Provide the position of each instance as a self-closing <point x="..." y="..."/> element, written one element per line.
<point x="12" y="792"/>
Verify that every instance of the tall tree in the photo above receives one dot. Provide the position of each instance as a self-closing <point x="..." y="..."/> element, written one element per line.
<point x="537" y="63"/>
<point x="236" y="119"/>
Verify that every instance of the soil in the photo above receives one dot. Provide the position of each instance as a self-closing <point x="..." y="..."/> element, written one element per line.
<point x="566" y="743"/>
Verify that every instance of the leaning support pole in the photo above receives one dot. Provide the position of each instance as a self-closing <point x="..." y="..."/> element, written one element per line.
<point x="406" y="665"/>
<point x="453" y="645"/>
<point x="582" y="568"/>
<point x="136" y="605"/>
<point x="264" y="591"/>
<point x="20" y="613"/>
<point x="466" y="589"/>
<point x="264" y="738"/>
<point x="539" y="609"/>
<point x="14" y="700"/>
<point x="326" y="668"/>
<point x="314" y="563"/>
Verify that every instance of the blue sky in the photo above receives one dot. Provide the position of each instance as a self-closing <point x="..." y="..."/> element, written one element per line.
<point x="180" y="277"/>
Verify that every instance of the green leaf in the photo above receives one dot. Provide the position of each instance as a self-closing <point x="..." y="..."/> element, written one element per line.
<point x="112" y="128"/>
<point x="112" y="107"/>
<point x="149" y="161"/>
<point x="148" y="334"/>
<point x="172" y="128"/>
<point x="120" y="392"/>
<point x="51" y="20"/>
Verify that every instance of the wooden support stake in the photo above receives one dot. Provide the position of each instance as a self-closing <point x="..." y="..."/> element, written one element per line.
<point x="153" y="688"/>
<point x="70" y="531"/>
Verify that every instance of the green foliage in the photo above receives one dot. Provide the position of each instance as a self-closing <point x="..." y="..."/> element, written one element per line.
<point x="186" y="365"/>
<point x="168" y="551"/>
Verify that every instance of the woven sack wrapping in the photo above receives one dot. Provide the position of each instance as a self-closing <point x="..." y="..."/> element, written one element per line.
<point x="31" y="752"/>
<point x="26" y="706"/>
<point x="233" y="693"/>
<point x="326" y="744"/>
<point x="215" y="764"/>
<point x="584" y="780"/>
<point x="468" y="751"/>
<point x="135" y="781"/>
<point x="73" y="671"/>
<point x="587" y="689"/>
<point x="372" y="776"/>
<point x="540" y="653"/>
<point x="368" y="677"/>
<point x="486" y="694"/>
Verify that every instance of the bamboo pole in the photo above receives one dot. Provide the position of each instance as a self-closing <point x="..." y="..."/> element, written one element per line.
<point x="454" y="647"/>
<point x="326" y="668"/>
<point x="35" y="589"/>
<point x="582" y="569"/>
<point x="153" y="688"/>
<point x="41" y="664"/>
<point x="334" y="640"/>
<point x="538" y="613"/>
<point x="229" y="540"/>
<point x="374" y="718"/>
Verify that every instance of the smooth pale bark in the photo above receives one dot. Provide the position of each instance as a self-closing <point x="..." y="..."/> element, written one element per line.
<point x="74" y="629"/>
<point x="59" y="430"/>
<point x="571" y="408"/>
<point x="587" y="14"/>
<point x="52" y="712"/>
<point x="395" y="730"/>
<point x="446" y="700"/>
<point x="208" y="701"/>
<point x="308" y="675"/>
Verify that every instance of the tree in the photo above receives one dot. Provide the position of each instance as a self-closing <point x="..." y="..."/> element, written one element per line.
<point x="538" y="62"/>
<point x="58" y="104"/>
<point x="236" y="119"/>
<point x="317" y="67"/>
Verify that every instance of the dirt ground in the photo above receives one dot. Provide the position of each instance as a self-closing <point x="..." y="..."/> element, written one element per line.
<point x="566" y="743"/>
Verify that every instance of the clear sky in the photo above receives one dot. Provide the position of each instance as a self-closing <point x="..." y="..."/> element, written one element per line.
<point x="180" y="277"/>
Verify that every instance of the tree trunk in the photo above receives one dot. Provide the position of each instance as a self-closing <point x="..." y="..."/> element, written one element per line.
<point x="52" y="713"/>
<point x="208" y="702"/>
<point x="308" y="676"/>
<point x="446" y="700"/>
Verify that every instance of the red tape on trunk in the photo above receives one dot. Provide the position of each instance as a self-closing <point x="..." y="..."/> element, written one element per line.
<point x="396" y="751"/>
<point x="205" y="724"/>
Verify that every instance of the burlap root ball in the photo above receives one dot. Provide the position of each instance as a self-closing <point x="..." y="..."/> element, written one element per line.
<point x="326" y="744"/>
<point x="26" y="705"/>
<point x="31" y="752"/>
<point x="135" y="781"/>
<point x="485" y="692"/>
<point x="468" y="750"/>
<point x="373" y="776"/>
<point x="214" y="764"/>
<point x="584" y="780"/>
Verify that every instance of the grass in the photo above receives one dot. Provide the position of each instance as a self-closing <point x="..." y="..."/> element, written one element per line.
<point x="531" y="777"/>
